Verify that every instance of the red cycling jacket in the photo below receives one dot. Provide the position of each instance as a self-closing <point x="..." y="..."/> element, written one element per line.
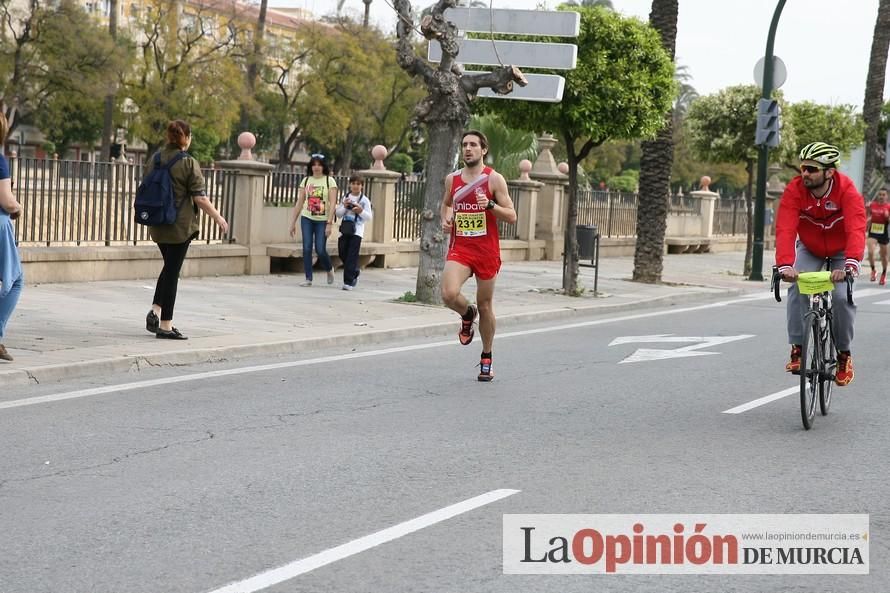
<point x="826" y="226"/>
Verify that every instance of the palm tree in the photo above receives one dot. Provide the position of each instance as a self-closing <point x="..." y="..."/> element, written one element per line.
<point x="655" y="167"/>
<point x="507" y="145"/>
<point x="686" y="94"/>
<point x="874" y="85"/>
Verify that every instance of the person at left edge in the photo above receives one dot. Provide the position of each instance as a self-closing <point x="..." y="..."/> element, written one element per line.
<point x="11" y="277"/>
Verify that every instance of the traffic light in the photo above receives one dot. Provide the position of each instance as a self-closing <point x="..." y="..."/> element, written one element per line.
<point x="767" y="123"/>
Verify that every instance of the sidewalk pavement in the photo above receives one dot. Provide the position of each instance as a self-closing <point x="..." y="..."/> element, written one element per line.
<point x="62" y="331"/>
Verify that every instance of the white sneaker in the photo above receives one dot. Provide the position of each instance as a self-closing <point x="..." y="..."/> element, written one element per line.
<point x="307" y="283"/>
<point x="347" y="287"/>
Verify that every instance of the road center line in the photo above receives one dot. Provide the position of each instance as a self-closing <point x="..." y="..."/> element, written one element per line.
<point x="762" y="400"/>
<point x="81" y="393"/>
<point x="356" y="546"/>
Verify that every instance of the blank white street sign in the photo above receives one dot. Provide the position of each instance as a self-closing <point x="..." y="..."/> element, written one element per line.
<point x="545" y="88"/>
<point x="556" y="56"/>
<point x="517" y="22"/>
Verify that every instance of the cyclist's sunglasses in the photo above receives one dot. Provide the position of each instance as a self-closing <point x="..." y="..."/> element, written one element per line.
<point x="316" y="155"/>
<point x="811" y="169"/>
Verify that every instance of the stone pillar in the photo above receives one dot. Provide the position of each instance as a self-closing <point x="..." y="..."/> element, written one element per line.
<point x="708" y="201"/>
<point x="527" y="212"/>
<point x="550" y="224"/>
<point x="246" y="224"/>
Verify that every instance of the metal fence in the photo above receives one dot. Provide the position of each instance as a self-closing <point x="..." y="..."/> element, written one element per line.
<point x="409" y="203"/>
<point x="507" y="230"/>
<point x="684" y="205"/>
<point x="613" y="213"/>
<point x="89" y="203"/>
<point x="283" y="186"/>
<point x="730" y="216"/>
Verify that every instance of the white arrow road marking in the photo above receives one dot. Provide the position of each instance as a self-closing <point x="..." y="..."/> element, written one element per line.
<point x="655" y="338"/>
<point x="650" y="354"/>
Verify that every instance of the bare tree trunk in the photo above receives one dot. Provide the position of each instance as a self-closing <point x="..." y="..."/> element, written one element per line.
<point x="656" y="163"/>
<point x="874" y="87"/>
<point x="345" y="164"/>
<point x="108" y="131"/>
<point x="445" y="111"/>
<point x="444" y="144"/>
<point x="253" y="61"/>
<point x="749" y="220"/>
<point x="570" y="267"/>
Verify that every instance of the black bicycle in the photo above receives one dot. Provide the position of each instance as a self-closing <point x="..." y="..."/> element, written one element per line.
<point x="818" y="350"/>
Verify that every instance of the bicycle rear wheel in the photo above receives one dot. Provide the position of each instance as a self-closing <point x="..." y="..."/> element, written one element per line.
<point x="810" y="367"/>
<point x="829" y="358"/>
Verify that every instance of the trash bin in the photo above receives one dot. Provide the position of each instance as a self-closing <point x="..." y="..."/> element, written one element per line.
<point x="586" y="235"/>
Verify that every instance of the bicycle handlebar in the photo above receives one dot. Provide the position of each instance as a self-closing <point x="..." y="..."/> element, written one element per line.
<point x="777" y="279"/>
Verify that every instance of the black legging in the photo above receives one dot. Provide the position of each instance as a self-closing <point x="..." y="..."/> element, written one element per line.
<point x="168" y="281"/>
<point x="349" y="246"/>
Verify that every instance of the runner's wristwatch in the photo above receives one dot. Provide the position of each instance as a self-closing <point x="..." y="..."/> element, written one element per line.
<point x="490" y="205"/>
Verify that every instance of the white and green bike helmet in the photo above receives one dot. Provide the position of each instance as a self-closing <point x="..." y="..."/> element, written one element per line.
<point x="821" y="152"/>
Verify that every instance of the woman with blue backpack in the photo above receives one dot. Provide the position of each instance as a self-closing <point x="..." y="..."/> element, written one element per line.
<point x="173" y="238"/>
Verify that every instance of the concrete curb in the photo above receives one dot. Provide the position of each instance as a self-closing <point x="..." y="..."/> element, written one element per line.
<point x="137" y="362"/>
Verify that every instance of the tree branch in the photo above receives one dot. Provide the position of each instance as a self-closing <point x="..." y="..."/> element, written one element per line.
<point x="435" y="27"/>
<point x="405" y="54"/>
<point x="587" y="147"/>
<point x="500" y="80"/>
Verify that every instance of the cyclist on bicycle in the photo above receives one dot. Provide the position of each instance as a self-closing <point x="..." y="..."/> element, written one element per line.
<point x="824" y="212"/>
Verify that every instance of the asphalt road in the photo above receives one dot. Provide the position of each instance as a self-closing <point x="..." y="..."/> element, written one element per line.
<point x="213" y="475"/>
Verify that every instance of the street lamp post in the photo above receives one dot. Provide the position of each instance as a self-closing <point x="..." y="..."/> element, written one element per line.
<point x="763" y="153"/>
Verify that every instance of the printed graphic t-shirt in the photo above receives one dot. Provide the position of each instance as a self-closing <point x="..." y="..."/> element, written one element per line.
<point x="318" y="190"/>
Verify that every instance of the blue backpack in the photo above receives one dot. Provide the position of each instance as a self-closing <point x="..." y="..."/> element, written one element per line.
<point x="155" y="202"/>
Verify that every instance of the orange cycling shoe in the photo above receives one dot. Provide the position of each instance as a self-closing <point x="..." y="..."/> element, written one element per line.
<point x="793" y="365"/>
<point x="844" y="373"/>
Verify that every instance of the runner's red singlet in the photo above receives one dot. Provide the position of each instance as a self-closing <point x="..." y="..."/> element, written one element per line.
<point x="474" y="234"/>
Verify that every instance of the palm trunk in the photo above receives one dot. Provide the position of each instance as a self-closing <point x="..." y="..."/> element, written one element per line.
<point x="444" y="143"/>
<point x="874" y="87"/>
<point x="656" y="163"/>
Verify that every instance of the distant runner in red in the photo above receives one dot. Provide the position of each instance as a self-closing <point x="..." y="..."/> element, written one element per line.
<point x="878" y="219"/>
<point x="476" y="198"/>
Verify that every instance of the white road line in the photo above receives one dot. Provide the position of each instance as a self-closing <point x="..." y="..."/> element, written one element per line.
<point x="81" y="393"/>
<point x="762" y="400"/>
<point x="356" y="546"/>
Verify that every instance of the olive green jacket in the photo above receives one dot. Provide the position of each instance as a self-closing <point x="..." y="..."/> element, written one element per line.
<point x="188" y="183"/>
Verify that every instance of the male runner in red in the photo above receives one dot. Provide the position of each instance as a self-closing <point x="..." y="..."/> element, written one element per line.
<point x="476" y="197"/>
<point x="878" y="219"/>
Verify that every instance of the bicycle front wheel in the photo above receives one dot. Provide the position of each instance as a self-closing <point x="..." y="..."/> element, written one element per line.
<point x="810" y="370"/>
